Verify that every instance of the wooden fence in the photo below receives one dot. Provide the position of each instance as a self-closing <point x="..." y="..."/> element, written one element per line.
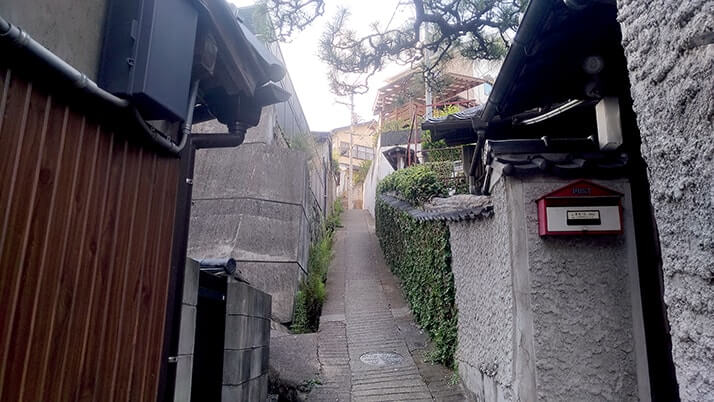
<point x="86" y="223"/>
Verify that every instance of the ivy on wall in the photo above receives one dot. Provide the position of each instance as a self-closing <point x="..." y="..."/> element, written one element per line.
<point x="420" y="255"/>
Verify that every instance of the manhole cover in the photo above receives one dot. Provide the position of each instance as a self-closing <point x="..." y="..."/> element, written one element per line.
<point x="381" y="358"/>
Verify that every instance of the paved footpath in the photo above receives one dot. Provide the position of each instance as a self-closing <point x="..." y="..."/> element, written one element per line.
<point x="365" y="312"/>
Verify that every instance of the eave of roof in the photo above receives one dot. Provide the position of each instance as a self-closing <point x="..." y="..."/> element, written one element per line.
<point x="544" y="65"/>
<point x="243" y="76"/>
<point x="536" y="74"/>
<point x="399" y="137"/>
<point x="454" y="129"/>
<point x="321" y="136"/>
<point x="248" y="63"/>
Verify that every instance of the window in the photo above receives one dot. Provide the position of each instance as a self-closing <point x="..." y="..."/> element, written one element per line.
<point x="358" y="151"/>
<point x="362" y="152"/>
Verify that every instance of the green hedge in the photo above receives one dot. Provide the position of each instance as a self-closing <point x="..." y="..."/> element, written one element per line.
<point x="420" y="255"/>
<point x="416" y="184"/>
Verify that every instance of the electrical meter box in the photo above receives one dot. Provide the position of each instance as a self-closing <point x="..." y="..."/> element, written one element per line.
<point x="580" y="208"/>
<point x="147" y="55"/>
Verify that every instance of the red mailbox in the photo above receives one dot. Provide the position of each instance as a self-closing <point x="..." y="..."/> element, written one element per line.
<point x="580" y="208"/>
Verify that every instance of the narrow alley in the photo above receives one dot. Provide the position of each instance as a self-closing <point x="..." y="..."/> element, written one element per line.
<point x="369" y="348"/>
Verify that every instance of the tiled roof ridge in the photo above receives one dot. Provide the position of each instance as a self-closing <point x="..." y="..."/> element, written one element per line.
<point x="456" y="215"/>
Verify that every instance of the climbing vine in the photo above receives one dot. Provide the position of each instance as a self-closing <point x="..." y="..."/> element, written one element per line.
<point x="360" y="174"/>
<point x="420" y="255"/>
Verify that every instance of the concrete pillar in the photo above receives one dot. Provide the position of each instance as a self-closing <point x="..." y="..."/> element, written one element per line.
<point x="187" y="334"/>
<point x="247" y="343"/>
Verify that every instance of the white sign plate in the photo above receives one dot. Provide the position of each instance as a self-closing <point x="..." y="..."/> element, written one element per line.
<point x="583" y="217"/>
<point x="578" y="219"/>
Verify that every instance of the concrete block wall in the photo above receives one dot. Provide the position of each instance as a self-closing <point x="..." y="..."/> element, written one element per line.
<point x="671" y="71"/>
<point x="247" y="343"/>
<point x="187" y="334"/>
<point x="547" y="318"/>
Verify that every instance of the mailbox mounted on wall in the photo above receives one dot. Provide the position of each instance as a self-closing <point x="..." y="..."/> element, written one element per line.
<point x="580" y="208"/>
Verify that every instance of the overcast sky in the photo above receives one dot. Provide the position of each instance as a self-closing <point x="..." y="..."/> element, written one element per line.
<point x="308" y="73"/>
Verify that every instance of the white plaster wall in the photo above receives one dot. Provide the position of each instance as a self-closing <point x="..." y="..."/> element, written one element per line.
<point x="481" y="263"/>
<point x="379" y="170"/>
<point x="672" y="86"/>
<point x="581" y="309"/>
<point x="369" y="188"/>
<point x="560" y="317"/>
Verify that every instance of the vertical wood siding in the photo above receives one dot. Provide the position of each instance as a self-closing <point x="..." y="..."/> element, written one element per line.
<point x="86" y="223"/>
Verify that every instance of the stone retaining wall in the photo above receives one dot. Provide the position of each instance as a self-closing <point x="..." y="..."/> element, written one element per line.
<point x="253" y="203"/>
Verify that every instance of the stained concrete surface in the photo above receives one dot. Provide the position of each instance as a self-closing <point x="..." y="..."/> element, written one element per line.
<point x="365" y="312"/>
<point x="72" y="29"/>
<point x="293" y="360"/>
<point x="256" y="211"/>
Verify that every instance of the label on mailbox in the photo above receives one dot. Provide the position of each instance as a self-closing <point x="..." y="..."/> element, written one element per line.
<point x="587" y="218"/>
<point x="583" y="217"/>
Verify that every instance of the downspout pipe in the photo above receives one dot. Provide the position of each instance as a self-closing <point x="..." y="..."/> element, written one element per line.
<point x="234" y="137"/>
<point x="20" y="40"/>
<point x="218" y="265"/>
<point x="4" y="26"/>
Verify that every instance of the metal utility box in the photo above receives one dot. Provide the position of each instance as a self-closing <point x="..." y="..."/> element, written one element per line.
<point x="148" y="55"/>
<point x="580" y="208"/>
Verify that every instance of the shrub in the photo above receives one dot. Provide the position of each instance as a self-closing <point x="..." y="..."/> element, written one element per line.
<point x="311" y="292"/>
<point x="420" y="183"/>
<point x="359" y="175"/>
<point x="435" y="149"/>
<point x="303" y="142"/>
<point x="419" y="254"/>
<point x="416" y="184"/>
<point x="445" y="172"/>
<point x="333" y="219"/>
